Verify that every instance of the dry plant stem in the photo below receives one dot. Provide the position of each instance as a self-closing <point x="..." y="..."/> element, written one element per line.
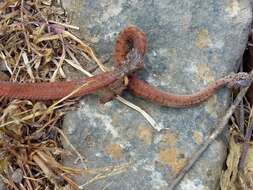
<point x="221" y="126"/>
<point x="151" y="121"/>
<point x="23" y="26"/>
<point x="107" y="185"/>
<point x="62" y="58"/>
<point x="108" y="172"/>
<point x="87" y="49"/>
<point x="25" y="174"/>
<point x="26" y="60"/>
<point x="47" y="171"/>
<point x="64" y="25"/>
<point x="242" y="112"/>
<point x="37" y="8"/>
<point x="9" y="182"/>
<point x="82" y="159"/>
<point x="247" y="137"/>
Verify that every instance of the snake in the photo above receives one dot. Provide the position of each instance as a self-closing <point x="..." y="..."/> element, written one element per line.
<point x="128" y="57"/>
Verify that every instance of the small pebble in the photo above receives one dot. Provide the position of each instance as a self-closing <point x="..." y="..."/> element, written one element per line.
<point x="17" y="176"/>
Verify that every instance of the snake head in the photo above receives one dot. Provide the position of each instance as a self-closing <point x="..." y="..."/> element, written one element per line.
<point x="238" y="80"/>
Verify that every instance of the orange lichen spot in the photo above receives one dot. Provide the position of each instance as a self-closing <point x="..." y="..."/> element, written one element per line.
<point x="114" y="151"/>
<point x="170" y="138"/>
<point x="202" y="39"/>
<point x="145" y="134"/>
<point x="171" y="158"/>
<point x="204" y="72"/>
<point x="197" y="137"/>
<point x="211" y="105"/>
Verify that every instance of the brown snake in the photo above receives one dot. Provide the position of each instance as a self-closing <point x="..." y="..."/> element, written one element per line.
<point x="133" y="37"/>
<point x="130" y="49"/>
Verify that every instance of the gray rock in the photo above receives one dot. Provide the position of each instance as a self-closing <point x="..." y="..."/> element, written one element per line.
<point x="190" y="43"/>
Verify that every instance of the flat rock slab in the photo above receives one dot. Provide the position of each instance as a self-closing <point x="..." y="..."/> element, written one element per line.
<point x="190" y="44"/>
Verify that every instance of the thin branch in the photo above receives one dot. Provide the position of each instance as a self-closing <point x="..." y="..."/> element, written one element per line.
<point x="82" y="159"/>
<point x="64" y="25"/>
<point x="242" y="112"/>
<point x="59" y="65"/>
<point x="23" y="25"/>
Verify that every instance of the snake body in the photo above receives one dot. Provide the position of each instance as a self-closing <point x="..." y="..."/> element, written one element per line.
<point x="55" y="90"/>
<point x="130" y="48"/>
<point x="137" y="40"/>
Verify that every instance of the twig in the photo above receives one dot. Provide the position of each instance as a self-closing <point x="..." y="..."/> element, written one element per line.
<point x="108" y="172"/>
<point x="28" y="66"/>
<point x="23" y="25"/>
<point x="241" y="118"/>
<point x="64" y="25"/>
<point x="141" y="111"/>
<point x="37" y="8"/>
<point x="59" y="65"/>
<point x="47" y="171"/>
<point x="5" y="62"/>
<point x="82" y="159"/>
<point x="87" y="49"/>
<point x="221" y="126"/>
<point x="245" y="146"/>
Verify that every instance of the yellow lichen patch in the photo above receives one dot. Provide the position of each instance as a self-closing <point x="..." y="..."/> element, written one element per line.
<point x="115" y="118"/>
<point x="211" y="105"/>
<point x="204" y="72"/>
<point x="197" y="137"/>
<point x="233" y="8"/>
<point x="170" y="138"/>
<point x="114" y="151"/>
<point x="172" y="52"/>
<point x="203" y="39"/>
<point x="173" y="56"/>
<point x="145" y="134"/>
<point x="169" y="157"/>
